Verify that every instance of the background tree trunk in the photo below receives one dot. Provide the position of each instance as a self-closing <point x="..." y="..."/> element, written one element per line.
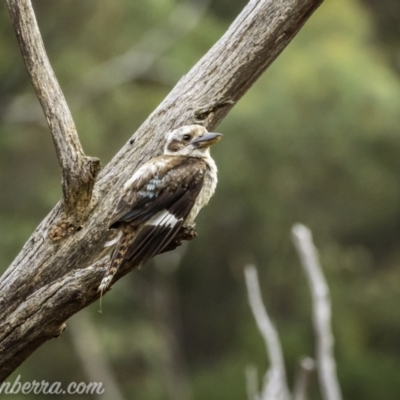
<point x="50" y="279"/>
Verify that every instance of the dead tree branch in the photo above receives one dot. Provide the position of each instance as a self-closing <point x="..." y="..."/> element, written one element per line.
<point x="275" y="385"/>
<point x="78" y="171"/>
<point x="50" y="281"/>
<point x="326" y="365"/>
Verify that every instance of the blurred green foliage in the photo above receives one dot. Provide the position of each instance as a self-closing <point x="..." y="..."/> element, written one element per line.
<point x="316" y="140"/>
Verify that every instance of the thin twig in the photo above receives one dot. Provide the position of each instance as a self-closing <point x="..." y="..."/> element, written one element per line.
<point x="306" y="368"/>
<point x="78" y="171"/>
<point x="326" y="364"/>
<point x="275" y="385"/>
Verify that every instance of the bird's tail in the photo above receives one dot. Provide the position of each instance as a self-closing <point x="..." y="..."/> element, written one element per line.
<point x="125" y="240"/>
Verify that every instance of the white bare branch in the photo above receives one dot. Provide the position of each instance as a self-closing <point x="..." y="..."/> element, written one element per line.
<point x="275" y="383"/>
<point x="326" y="365"/>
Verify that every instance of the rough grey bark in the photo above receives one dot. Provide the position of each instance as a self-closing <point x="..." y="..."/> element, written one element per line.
<point x="51" y="280"/>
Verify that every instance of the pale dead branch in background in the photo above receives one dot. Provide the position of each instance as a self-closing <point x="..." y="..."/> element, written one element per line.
<point x="302" y="382"/>
<point x="90" y="352"/>
<point x="275" y="383"/>
<point x="140" y="58"/>
<point x="167" y="313"/>
<point x="326" y="364"/>
<point x="252" y="382"/>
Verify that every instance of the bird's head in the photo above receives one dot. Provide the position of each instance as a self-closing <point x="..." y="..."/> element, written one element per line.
<point x="191" y="141"/>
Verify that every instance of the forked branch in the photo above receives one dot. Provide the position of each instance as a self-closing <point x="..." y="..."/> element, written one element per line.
<point x="48" y="283"/>
<point x="78" y="171"/>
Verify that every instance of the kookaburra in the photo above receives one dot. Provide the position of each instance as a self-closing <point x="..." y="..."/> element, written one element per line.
<point x="163" y="195"/>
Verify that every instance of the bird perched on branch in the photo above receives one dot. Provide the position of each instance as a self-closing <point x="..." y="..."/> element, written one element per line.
<point x="162" y="196"/>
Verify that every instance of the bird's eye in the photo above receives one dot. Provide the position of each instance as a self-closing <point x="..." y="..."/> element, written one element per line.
<point x="186" y="138"/>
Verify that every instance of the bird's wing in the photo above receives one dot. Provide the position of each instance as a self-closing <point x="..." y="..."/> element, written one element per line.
<point x="157" y="200"/>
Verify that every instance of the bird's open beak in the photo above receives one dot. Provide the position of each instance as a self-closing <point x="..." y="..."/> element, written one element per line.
<point x="207" y="140"/>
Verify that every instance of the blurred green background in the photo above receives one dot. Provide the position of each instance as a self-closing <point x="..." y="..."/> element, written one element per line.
<point x="316" y="140"/>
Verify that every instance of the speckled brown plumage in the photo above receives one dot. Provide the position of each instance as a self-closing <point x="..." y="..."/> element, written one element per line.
<point x="162" y="196"/>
